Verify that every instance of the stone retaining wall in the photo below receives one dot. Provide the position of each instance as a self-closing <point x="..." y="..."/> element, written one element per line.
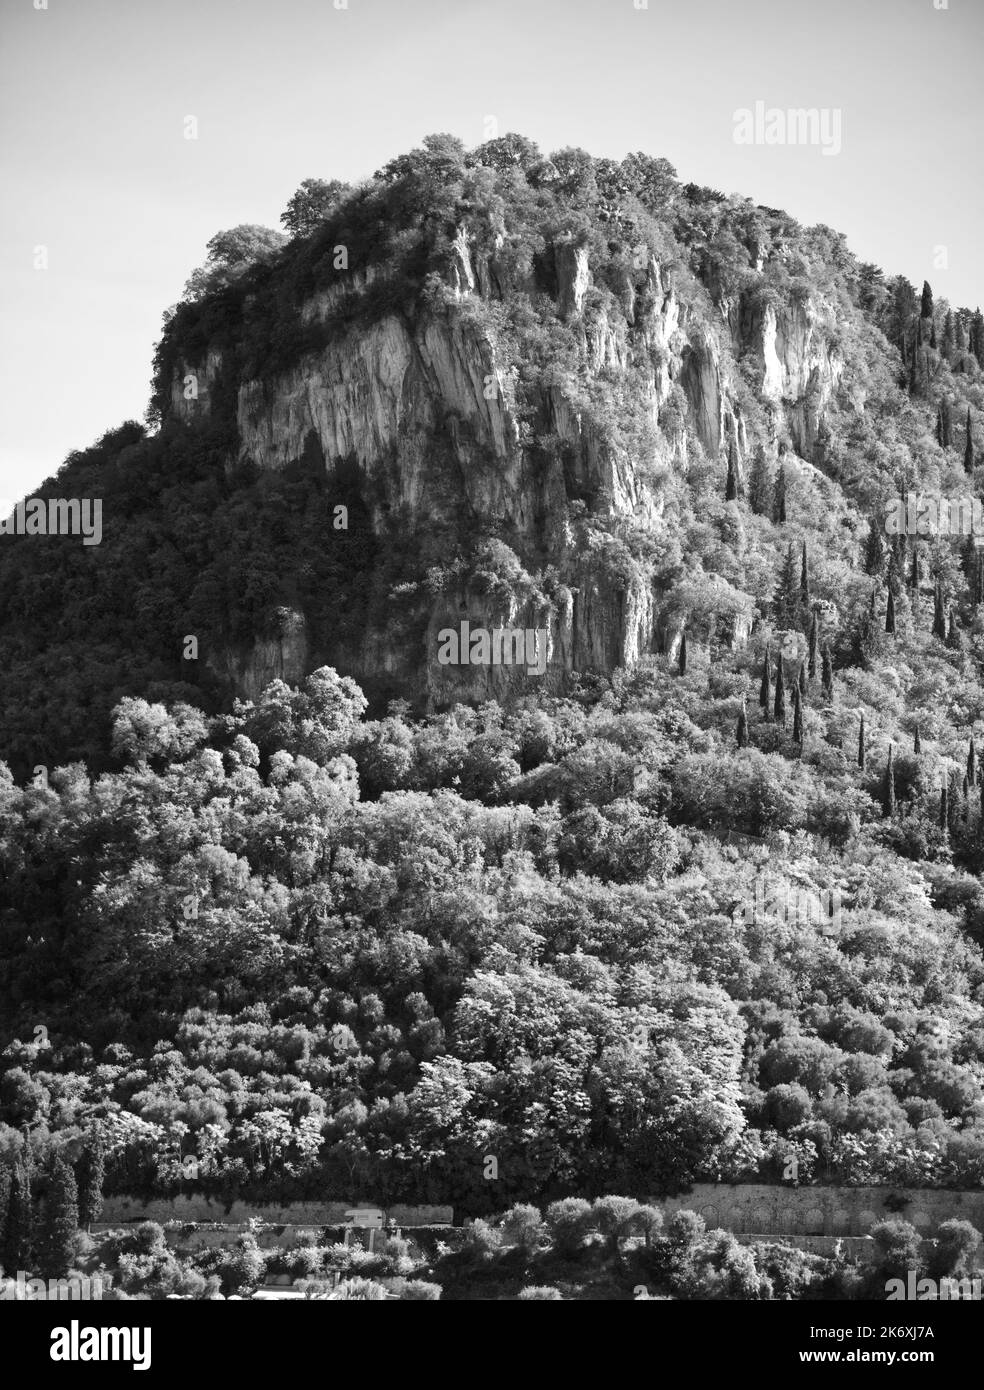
<point x="823" y="1211"/>
<point x="191" y="1208"/>
<point x="745" y="1209"/>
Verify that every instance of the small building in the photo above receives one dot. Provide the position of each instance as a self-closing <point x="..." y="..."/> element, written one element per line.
<point x="365" y="1218"/>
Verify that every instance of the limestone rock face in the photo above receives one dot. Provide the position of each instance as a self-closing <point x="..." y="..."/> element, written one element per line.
<point x="701" y="379"/>
<point x="573" y="277"/>
<point x="191" y="388"/>
<point x="421" y="407"/>
<point x="317" y="308"/>
<point x="463" y="277"/>
<point x="800" y="370"/>
<point x="285" y="657"/>
<point x="375" y="398"/>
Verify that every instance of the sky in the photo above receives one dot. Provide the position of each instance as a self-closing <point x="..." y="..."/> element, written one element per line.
<point x="96" y="169"/>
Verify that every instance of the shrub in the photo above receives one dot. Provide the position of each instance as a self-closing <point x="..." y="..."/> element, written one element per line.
<point x="243" y="1266"/>
<point x="481" y="1239"/>
<point x="649" y="1221"/>
<point x="420" y="1290"/>
<point x="522" y="1225"/>
<point x="303" y="1262"/>
<point x="898" y="1246"/>
<point x="364" y="1290"/>
<point x="956" y="1244"/>
<point x="719" y="1268"/>
<point x="684" y="1227"/>
<point x="569" y="1222"/>
<point x="542" y="1291"/>
<point x="613" y="1217"/>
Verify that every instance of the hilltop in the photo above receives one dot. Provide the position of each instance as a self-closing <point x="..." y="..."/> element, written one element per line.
<point x="488" y="387"/>
<point x="336" y="917"/>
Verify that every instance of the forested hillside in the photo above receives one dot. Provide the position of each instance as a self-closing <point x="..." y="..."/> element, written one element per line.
<point x="375" y="921"/>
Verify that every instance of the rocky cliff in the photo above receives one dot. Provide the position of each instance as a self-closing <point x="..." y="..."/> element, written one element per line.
<point x="552" y="395"/>
<point x="453" y="440"/>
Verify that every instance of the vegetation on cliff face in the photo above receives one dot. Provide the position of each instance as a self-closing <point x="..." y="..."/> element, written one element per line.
<point x="326" y="952"/>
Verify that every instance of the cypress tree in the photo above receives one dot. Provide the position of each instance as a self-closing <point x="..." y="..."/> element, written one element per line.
<point x="916" y="743"/>
<point x="814" y="648"/>
<point x="964" y="800"/>
<point x="972" y="762"/>
<point x="92" y="1170"/>
<point x="948" y="334"/>
<point x="954" y="800"/>
<point x="731" y="489"/>
<point x="779" y="707"/>
<point x="802" y="678"/>
<point x="968" y="559"/>
<point x="890" y="615"/>
<point x="60" y="1223"/>
<point x="874" y="549"/>
<point x="944" y="806"/>
<point x="18" y="1245"/>
<point x="779" y="500"/>
<point x="939" y="614"/>
<point x="888" y="787"/>
<point x="952" y="637"/>
<point x="797" y="715"/>
<point x="742" y="732"/>
<point x="977" y="337"/>
<point x="972" y="560"/>
<point x="827" y="679"/>
<point x="862" y="752"/>
<point x="765" y="690"/>
<point x="805" y="578"/>
<point x="759" y="487"/>
<point x="915" y="565"/>
<point x="897" y="562"/>
<point x="969" y="444"/>
<point x="682" y="657"/>
<point x="932" y="335"/>
<point x="787" y="591"/>
<point x="926" y="309"/>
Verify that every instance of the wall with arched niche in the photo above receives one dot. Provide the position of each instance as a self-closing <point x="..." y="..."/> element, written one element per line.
<point x="782" y="1209"/>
